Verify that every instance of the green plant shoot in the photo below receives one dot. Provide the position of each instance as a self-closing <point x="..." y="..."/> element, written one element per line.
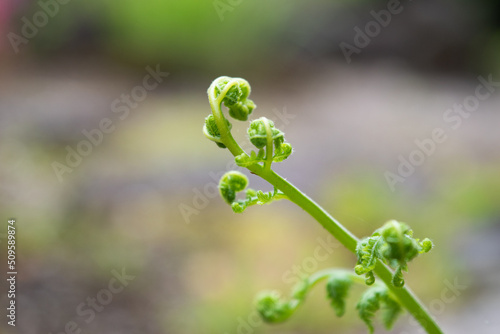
<point x="391" y="246"/>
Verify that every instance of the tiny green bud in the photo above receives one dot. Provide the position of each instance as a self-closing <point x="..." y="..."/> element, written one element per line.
<point x="231" y="183"/>
<point x="282" y="152"/>
<point x="426" y="245"/>
<point x="359" y="269"/>
<point x="338" y="288"/>
<point x="272" y="308"/>
<point x="393" y="244"/>
<point x="251" y="193"/>
<point x="241" y="110"/>
<point x="374" y="299"/>
<point x="238" y="207"/>
<point x="258" y="133"/>
<point x="399" y="245"/>
<point x="236" y="97"/>
<point x="211" y="130"/>
<point x="243" y="160"/>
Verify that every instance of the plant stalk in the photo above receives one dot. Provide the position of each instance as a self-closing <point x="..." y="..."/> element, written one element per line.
<point x="346" y="238"/>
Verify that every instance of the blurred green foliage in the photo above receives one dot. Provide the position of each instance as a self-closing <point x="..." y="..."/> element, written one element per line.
<point x="189" y="34"/>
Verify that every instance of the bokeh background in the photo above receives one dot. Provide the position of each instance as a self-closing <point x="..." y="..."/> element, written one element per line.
<point x="142" y="200"/>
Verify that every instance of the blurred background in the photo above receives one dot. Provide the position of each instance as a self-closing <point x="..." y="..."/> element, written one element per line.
<point x="112" y="183"/>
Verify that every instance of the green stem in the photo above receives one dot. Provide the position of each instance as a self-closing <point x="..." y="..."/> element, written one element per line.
<point x="346" y="238"/>
<point x="325" y="273"/>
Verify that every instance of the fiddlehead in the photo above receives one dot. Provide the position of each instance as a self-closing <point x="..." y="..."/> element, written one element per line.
<point x="269" y="140"/>
<point x="258" y="132"/>
<point x="372" y="300"/>
<point x="394" y="245"/>
<point x="212" y="132"/>
<point x="337" y="289"/>
<point x="233" y="182"/>
<point x="234" y="92"/>
<point x="273" y="308"/>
